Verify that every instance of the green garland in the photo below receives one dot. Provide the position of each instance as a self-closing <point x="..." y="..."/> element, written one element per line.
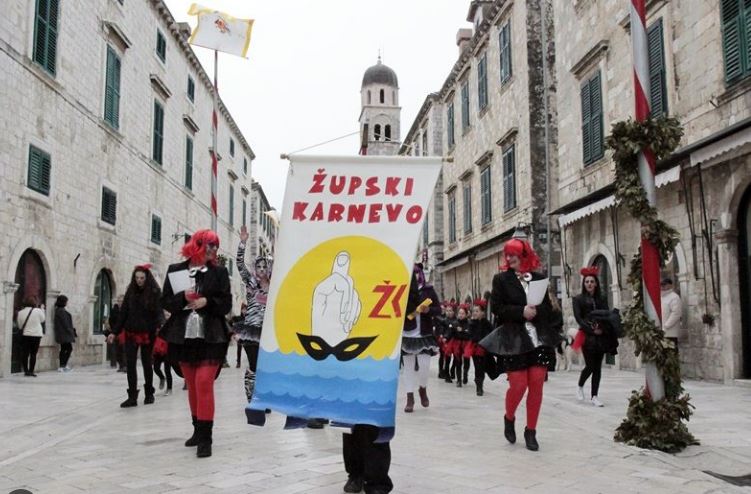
<point x="649" y="424"/>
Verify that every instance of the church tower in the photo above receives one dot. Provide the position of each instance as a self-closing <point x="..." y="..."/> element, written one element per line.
<point x="380" y="111"/>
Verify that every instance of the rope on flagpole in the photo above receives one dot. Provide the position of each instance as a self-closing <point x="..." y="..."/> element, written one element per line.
<point x="214" y="138"/>
<point x="284" y="156"/>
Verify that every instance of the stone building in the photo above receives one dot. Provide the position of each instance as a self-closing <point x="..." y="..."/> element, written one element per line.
<point x="263" y="227"/>
<point x="425" y="138"/>
<point x="380" y="113"/>
<point x="493" y="124"/>
<point x="105" y="159"/>
<point x="700" y="73"/>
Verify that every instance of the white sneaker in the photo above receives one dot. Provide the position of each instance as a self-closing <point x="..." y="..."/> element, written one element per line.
<point x="167" y="392"/>
<point x="60" y="369"/>
<point x="580" y="393"/>
<point x="596" y="402"/>
<point x="67" y="369"/>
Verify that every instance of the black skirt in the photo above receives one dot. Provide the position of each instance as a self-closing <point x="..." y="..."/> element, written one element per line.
<point x="197" y="351"/>
<point x="419" y="345"/>
<point x="541" y="356"/>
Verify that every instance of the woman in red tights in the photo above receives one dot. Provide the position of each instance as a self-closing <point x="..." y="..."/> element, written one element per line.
<point x="197" y="330"/>
<point x="525" y="341"/>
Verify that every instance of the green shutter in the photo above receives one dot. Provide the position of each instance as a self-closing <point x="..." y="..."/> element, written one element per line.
<point x="112" y="89"/>
<point x="188" y="163"/>
<point x="505" y="44"/>
<point x="733" y="42"/>
<point x="231" y="205"/>
<point x="38" y="178"/>
<point x="482" y="82"/>
<point x="586" y="124"/>
<point x="156" y="229"/>
<point x="45" y="35"/>
<point x="657" y="80"/>
<point x="596" y="129"/>
<point x="109" y="206"/>
<point x="158" y="135"/>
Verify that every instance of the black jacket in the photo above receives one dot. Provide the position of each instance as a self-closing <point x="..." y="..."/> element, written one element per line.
<point x="461" y="329"/>
<point x="444" y="326"/>
<point x="136" y="317"/>
<point x="64" y="330"/>
<point x="479" y="329"/>
<point x="508" y="300"/>
<point x="426" y="319"/>
<point x="605" y="342"/>
<point x="214" y="286"/>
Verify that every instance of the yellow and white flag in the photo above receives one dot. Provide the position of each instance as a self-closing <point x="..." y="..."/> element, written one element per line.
<point x="219" y="31"/>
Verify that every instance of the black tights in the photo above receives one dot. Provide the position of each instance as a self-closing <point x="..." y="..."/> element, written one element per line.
<point x="167" y="370"/>
<point x="29" y="349"/>
<point x="131" y="355"/>
<point x="65" y="350"/>
<point x="479" y="363"/>
<point x="592" y="367"/>
<point x="251" y="351"/>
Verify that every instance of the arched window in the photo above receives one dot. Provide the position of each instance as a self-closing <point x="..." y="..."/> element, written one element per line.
<point x="32" y="282"/>
<point x="383" y="97"/>
<point x="368" y="96"/>
<point x="605" y="278"/>
<point x="387" y="131"/>
<point x="103" y="302"/>
<point x="377" y="132"/>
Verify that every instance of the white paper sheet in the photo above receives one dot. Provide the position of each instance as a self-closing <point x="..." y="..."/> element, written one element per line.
<point x="180" y="281"/>
<point x="537" y="291"/>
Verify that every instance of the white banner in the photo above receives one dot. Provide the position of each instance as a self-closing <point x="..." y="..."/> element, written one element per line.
<point x="331" y="339"/>
<point x="219" y="31"/>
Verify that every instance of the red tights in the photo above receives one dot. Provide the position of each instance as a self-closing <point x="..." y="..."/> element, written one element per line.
<point x="520" y="381"/>
<point x="200" y="381"/>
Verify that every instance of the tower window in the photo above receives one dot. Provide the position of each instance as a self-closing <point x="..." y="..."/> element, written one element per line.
<point x="383" y="97"/>
<point x="393" y="97"/>
<point x="377" y="132"/>
<point x="368" y="96"/>
<point x="387" y="131"/>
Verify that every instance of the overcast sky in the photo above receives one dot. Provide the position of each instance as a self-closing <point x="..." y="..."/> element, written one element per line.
<point x="301" y="82"/>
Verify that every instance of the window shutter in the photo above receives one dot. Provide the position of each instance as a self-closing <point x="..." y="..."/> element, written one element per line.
<point x="112" y="89"/>
<point x="505" y="43"/>
<point x="156" y="154"/>
<point x="731" y="39"/>
<point x="596" y="130"/>
<point x="109" y="206"/>
<point x="38" y="178"/>
<point x="586" y="125"/>
<point x="45" y="36"/>
<point x="657" y="83"/>
<point x="156" y="229"/>
<point x="52" y="36"/>
<point x="189" y="163"/>
<point x="746" y="56"/>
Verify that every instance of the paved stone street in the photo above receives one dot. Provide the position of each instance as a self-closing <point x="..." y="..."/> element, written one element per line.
<point x="64" y="433"/>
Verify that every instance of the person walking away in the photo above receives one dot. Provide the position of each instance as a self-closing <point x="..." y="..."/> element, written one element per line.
<point x="31" y="321"/>
<point x="597" y="339"/>
<point x="447" y="326"/>
<point x="196" y="331"/>
<point x="479" y="328"/>
<point x="459" y="343"/>
<point x="65" y="333"/>
<point x="136" y="328"/>
<point x="672" y="310"/>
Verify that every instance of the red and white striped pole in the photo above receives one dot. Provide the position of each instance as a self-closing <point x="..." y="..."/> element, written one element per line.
<point x="214" y="136"/>
<point x="650" y="255"/>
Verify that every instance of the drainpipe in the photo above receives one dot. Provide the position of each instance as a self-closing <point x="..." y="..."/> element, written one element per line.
<point x="549" y="243"/>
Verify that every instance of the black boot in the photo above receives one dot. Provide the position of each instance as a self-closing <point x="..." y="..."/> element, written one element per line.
<point x="193" y="440"/>
<point x="479" y="388"/>
<point x="132" y="399"/>
<point x="447" y="371"/>
<point x="148" y="391"/>
<point x="204" y="438"/>
<point x="508" y="430"/>
<point x="466" y="371"/>
<point x="530" y="439"/>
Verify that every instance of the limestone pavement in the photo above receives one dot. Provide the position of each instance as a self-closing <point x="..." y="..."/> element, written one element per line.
<point x="65" y="434"/>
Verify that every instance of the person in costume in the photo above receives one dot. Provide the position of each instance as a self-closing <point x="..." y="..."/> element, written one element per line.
<point x="196" y="331"/>
<point x="257" y="283"/>
<point x="135" y="329"/>
<point x="367" y="459"/>
<point x="460" y="340"/>
<point x="524" y="341"/>
<point x="479" y="328"/>
<point x="418" y="342"/>
<point x="444" y="332"/>
<point x="598" y="340"/>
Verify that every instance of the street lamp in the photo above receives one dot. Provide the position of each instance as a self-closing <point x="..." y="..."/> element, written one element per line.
<point x="521" y="231"/>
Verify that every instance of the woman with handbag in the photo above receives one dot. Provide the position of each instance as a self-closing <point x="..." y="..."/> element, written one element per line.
<point x="65" y="333"/>
<point x="136" y="329"/>
<point x="525" y="340"/>
<point x="196" y="331"/>
<point x="30" y="320"/>
<point x="598" y="339"/>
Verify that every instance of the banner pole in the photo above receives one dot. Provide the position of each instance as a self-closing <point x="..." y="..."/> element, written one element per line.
<point x="214" y="138"/>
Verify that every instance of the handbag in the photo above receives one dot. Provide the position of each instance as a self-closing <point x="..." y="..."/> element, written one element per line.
<point x="194" y="327"/>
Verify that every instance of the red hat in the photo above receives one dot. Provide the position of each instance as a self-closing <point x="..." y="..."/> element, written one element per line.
<point x="589" y="271"/>
<point x="464" y="306"/>
<point x="529" y="261"/>
<point x="481" y="303"/>
<point x="143" y="267"/>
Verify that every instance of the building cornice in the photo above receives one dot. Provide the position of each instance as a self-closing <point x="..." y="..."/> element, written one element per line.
<point x="430" y="100"/>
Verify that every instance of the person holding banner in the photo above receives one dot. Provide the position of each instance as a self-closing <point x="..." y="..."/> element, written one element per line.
<point x="248" y="332"/>
<point x="418" y="342"/>
<point x="198" y="296"/>
<point x="525" y="340"/>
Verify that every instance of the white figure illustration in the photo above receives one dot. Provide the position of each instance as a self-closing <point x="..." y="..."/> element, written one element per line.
<point x="336" y="303"/>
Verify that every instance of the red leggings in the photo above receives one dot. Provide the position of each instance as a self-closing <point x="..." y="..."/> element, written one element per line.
<point x="200" y="381"/>
<point x="520" y="381"/>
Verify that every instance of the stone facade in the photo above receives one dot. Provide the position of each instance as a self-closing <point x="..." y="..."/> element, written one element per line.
<point x="380" y="114"/>
<point x="700" y="189"/>
<point x="512" y="122"/>
<point x="425" y="138"/>
<point x="262" y="228"/>
<point x="62" y="115"/>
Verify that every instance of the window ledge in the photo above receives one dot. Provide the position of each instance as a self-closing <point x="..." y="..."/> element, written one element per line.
<point x="594" y="166"/>
<point x="156" y="166"/>
<point x="103" y="225"/>
<point x="484" y="111"/>
<point x="506" y="84"/>
<point x="466" y="131"/>
<point x="155" y="247"/>
<point x="37" y="197"/>
<point x="736" y="89"/>
<point x="110" y="129"/>
<point x="511" y="212"/>
<point x="487" y="226"/>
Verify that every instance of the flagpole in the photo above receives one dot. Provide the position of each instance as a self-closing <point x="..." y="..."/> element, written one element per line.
<point x="214" y="137"/>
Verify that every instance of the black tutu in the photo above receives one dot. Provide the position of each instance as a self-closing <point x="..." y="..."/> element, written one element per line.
<point x="247" y="332"/>
<point x="541" y="356"/>
<point x="419" y="345"/>
<point x="197" y="351"/>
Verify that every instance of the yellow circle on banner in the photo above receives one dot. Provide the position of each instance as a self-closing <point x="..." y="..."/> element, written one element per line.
<point x="328" y="280"/>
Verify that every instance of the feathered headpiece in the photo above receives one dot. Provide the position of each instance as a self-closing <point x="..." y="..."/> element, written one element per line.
<point x="143" y="267"/>
<point x="481" y="303"/>
<point x="590" y="271"/>
<point x="464" y="306"/>
<point x="529" y="261"/>
<point x="195" y="249"/>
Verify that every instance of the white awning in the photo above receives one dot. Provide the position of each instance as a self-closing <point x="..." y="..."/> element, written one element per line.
<point x="736" y="144"/>
<point x="453" y="264"/>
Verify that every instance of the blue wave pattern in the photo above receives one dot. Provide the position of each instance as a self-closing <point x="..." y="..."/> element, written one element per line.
<point x="361" y="391"/>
